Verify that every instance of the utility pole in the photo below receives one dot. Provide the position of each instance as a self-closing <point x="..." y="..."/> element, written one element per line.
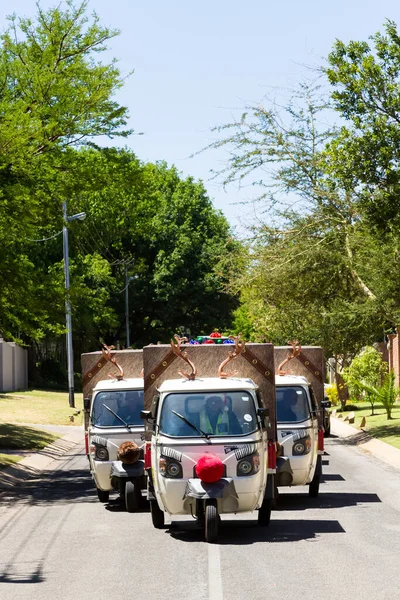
<point x="127" y="280"/>
<point x="68" y="320"/>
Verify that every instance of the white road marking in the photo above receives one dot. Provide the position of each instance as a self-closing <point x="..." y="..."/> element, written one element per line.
<point x="214" y="573"/>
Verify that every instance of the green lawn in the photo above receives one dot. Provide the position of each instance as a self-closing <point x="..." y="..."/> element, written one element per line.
<point x="42" y="407"/>
<point x="33" y="406"/>
<point x="7" y="460"/>
<point x="377" y="425"/>
<point x="20" y="437"/>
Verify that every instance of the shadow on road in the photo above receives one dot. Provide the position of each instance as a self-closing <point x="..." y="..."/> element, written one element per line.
<point x="249" y="532"/>
<point x="324" y="500"/>
<point x="53" y="487"/>
<point x="332" y="477"/>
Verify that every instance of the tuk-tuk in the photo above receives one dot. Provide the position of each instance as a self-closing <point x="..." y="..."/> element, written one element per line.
<point x="114" y="429"/>
<point x="212" y="434"/>
<point x="299" y="397"/>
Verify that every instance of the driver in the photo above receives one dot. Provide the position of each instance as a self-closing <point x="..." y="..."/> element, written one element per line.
<point x="284" y="407"/>
<point x="217" y="419"/>
<point x="124" y="407"/>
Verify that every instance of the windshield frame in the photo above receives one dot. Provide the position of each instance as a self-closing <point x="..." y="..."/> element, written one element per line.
<point x="208" y="393"/>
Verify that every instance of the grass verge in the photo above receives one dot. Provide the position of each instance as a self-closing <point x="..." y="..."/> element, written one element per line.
<point x="33" y="406"/>
<point x="20" y="437"/>
<point x="38" y="406"/>
<point x="377" y="425"/>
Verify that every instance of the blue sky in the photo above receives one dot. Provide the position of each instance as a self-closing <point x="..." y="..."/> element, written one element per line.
<point x="197" y="64"/>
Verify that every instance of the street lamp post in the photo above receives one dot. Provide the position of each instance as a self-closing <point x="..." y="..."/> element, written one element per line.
<point x="70" y="354"/>
<point x="127" y="282"/>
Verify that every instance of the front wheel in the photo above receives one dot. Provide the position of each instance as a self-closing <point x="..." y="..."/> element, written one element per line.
<point x="313" y="488"/>
<point x="211" y="518"/>
<point x="102" y="495"/>
<point x="264" y="512"/>
<point x="132" y="496"/>
<point x="157" y="515"/>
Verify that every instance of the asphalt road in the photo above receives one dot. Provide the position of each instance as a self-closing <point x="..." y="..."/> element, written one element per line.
<point x="58" y="542"/>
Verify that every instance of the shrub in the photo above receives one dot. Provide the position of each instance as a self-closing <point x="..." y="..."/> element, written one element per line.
<point x="332" y="393"/>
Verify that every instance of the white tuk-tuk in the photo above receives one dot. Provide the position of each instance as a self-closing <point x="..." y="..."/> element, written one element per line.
<point x="299" y="418"/>
<point x="115" y="432"/>
<point x="212" y="438"/>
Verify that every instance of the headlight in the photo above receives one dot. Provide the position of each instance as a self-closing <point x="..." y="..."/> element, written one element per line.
<point x="302" y="446"/>
<point x="101" y="453"/>
<point x="170" y="468"/>
<point x="249" y="465"/>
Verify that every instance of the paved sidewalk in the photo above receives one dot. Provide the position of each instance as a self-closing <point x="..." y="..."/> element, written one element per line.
<point x="31" y="466"/>
<point x="365" y="442"/>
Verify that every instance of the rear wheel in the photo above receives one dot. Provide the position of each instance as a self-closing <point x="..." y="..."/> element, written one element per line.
<point x="264" y="512"/>
<point x="132" y="496"/>
<point x="211" y="522"/>
<point x="157" y="515"/>
<point x="102" y="495"/>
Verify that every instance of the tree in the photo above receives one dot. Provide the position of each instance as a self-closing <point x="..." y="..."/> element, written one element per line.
<point x="365" y="79"/>
<point x="307" y="276"/>
<point x="55" y="94"/>
<point x="366" y="369"/>
<point x="386" y="394"/>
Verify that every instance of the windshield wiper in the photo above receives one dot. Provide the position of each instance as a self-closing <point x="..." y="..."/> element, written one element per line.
<point x="200" y="431"/>
<point x="118" y="417"/>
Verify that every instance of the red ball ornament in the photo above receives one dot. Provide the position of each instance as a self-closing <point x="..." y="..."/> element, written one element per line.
<point x="215" y="334"/>
<point x="209" y="342"/>
<point x="209" y="468"/>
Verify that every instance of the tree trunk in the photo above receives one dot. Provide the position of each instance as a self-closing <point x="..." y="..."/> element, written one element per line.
<point x="343" y="392"/>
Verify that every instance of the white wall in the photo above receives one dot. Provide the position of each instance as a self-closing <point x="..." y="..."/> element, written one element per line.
<point x="13" y="367"/>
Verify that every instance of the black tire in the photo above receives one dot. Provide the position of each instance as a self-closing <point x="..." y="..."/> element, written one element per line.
<point x="132" y="496"/>
<point x="211" y="523"/>
<point x="157" y="515"/>
<point x="264" y="512"/>
<point x="313" y="488"/>
<point x="102" y="495"/>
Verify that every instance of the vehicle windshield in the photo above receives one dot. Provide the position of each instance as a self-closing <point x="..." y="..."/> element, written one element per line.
<point x="292" y="404"/>
<point x="127" y="404"/>
<point x="211" y="414"/>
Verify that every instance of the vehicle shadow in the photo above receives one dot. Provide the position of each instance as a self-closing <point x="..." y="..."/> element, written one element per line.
<point x="332" y="477"/>
<point x="118" y="505"/>
<point x="233" y="532"/>
<point x="324" y="500"/>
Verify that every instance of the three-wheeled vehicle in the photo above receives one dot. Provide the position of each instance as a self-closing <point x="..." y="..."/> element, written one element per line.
<point x="114" y="430"/>
<point x="212" y="443"/>
<point x="299" y="396"/>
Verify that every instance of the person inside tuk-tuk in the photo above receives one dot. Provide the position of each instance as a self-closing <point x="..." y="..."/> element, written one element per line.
<point x="218" y="419"/>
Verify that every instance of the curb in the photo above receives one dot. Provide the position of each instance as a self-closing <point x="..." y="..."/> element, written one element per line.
<point x="31" y="466"/>
<point x="366" y="443"/>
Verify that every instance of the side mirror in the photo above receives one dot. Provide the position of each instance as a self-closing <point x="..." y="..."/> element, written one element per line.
<point x="86" y="404"/>
<point x="149" y="420"/>
<point x="146" y="415"/>
<point x="325" y="403"/>
<point x="263" y="413"/>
